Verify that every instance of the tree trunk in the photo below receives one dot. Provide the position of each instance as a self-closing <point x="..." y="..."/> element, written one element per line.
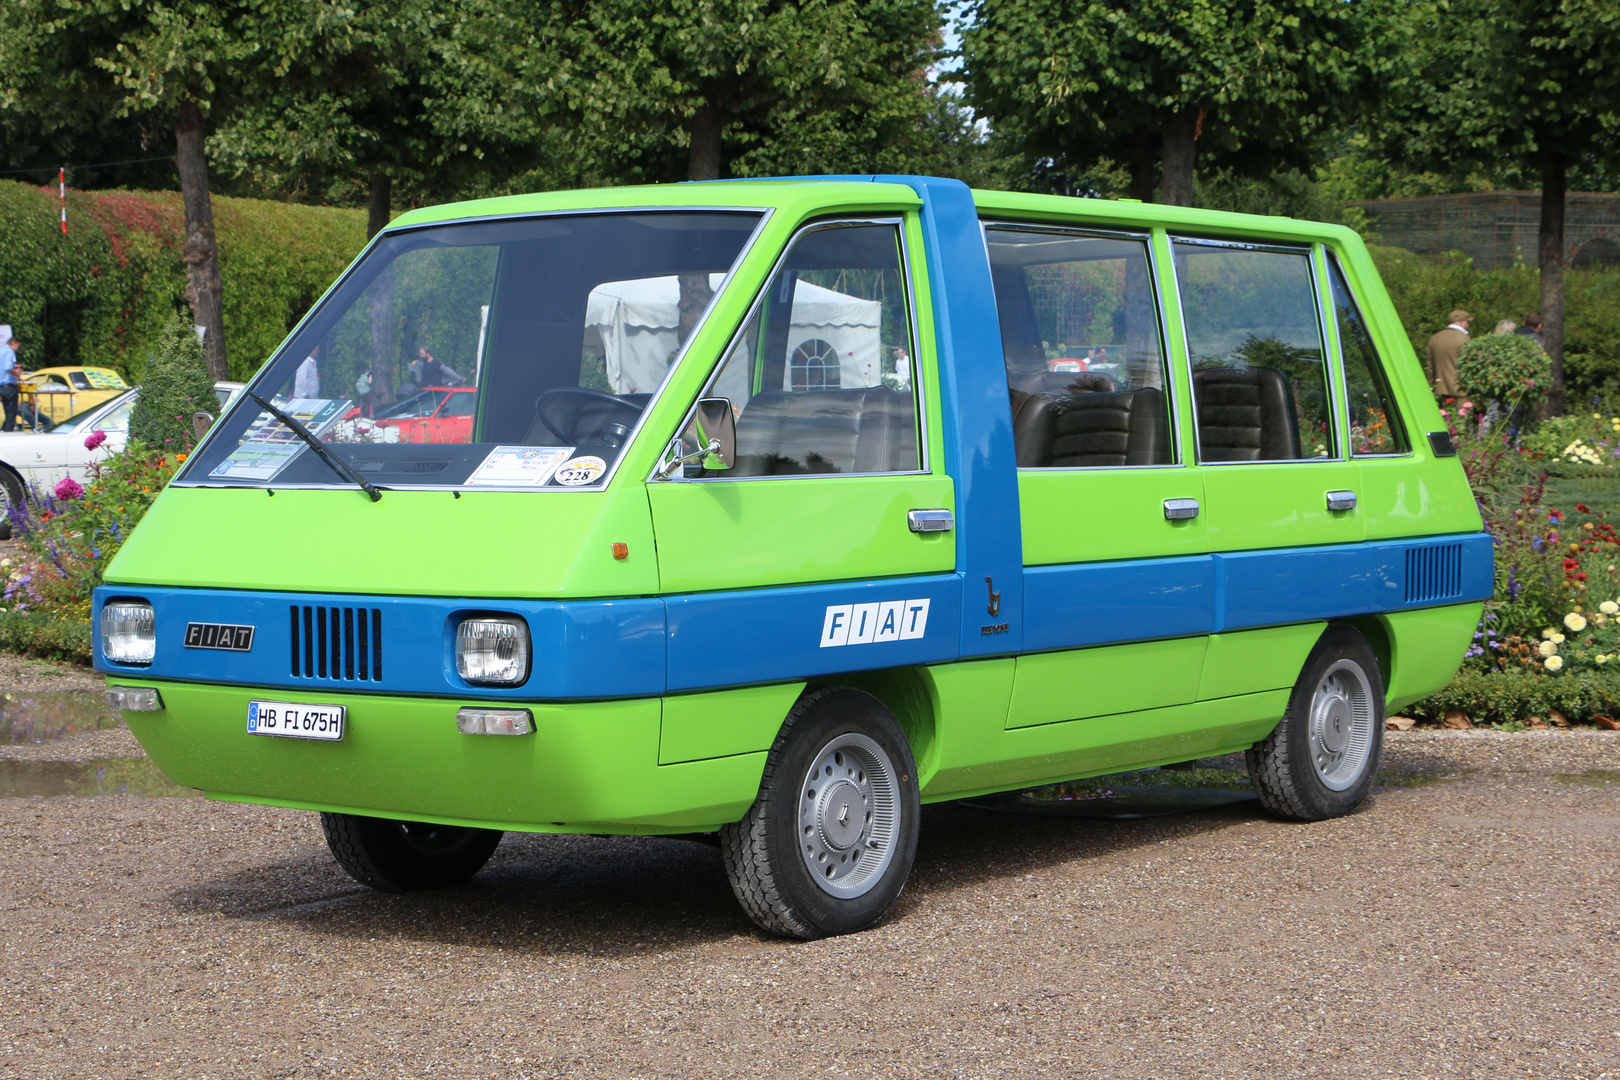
<point x="1141" y="165"/>
<point x="379" y="203"/>
<point x="382" y="342"/>
<point x="1554" y="177"/>
<point x="704" y="162"/>
<point x="1180" y="131"/>
<point x="201" y="252"/>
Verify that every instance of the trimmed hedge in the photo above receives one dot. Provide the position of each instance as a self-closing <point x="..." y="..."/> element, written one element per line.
<point x="1500" y="697"/>
<point x="43" y="636"/>
<point x="101" y="294"/>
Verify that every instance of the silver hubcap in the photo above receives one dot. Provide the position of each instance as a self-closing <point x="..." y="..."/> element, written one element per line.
<point x="1341" y="725"/>
<point x="848" y="816"/>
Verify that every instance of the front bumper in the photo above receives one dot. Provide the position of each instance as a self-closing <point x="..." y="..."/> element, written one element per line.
<point x="590" y="767"/>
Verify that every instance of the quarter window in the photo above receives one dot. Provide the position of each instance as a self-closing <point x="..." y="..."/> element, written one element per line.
<point x="821" y="378"/>
<point x="1375" y="426"/>
<point x="1085" y="362"/>
<point x="1259" y="377"/>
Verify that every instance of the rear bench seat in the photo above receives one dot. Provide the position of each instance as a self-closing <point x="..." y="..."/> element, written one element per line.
<point x="1068" y="421"/>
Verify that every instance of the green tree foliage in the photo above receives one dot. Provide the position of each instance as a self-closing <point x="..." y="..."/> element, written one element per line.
<point x="175" y="386"/>
<point x="655" y="91"/>
<point x="1529" y="82"/>
<point x="1244" y="82"/>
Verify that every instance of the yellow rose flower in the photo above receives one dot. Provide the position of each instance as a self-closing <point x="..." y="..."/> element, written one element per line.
<point x="1547" y="648"/>
<point x="1549" y="632"/>
<point x="1554" y="663"/>
<point x="1575" y="621"/>
<point x="1609" y="607"/>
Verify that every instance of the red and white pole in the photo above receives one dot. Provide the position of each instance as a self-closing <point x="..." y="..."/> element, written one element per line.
<point x="61" y="191"/>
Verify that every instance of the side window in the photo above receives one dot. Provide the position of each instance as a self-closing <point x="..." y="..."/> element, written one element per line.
<point x="1375" y="427"/>
<point x="821" y="377"/>
<point x="1085" y="361"/>
<point x="118" y="419"/>
<point x="1259" y="376"/>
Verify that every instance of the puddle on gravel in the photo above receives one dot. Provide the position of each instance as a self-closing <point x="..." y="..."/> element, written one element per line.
<point x="107" y="776"/>
<point x="37" y="718"/>
<point x="1589" y="778"/>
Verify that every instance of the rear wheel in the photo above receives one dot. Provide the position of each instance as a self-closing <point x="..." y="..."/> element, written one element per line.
<point x="407" y="856"/>
<point x="828" y="845"/>
<point x="1320" y="759"/>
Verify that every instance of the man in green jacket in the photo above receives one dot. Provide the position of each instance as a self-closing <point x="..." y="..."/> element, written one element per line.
<point x="1443" y="349"/>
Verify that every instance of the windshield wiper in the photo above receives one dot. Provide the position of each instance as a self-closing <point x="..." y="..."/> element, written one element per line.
<point x="338" y="465"/>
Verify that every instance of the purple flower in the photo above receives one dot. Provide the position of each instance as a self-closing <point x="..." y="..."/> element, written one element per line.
<point x="94" y="439"/>
<point x="69" y="489"/>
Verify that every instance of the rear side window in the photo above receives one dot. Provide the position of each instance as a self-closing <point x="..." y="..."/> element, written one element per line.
<point x="1375" y="427"/>
<point x="1259" y="372"/>
<point x="1085" y="359"/>
<point x="821" y="378"/>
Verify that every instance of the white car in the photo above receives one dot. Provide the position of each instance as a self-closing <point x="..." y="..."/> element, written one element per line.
<point x="42" y="458"/>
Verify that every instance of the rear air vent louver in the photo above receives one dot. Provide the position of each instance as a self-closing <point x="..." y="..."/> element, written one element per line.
<point x="1433" y="573"/>
<point x="336" y="642"/>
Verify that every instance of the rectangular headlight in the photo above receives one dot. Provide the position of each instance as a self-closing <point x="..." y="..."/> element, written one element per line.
<point x="128" y="632"/>
<point x="493" y="650"/>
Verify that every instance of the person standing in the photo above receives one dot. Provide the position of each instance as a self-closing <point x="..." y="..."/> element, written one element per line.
<point x="1443" y="349"/>
<point x="10" y="377"/>
<point x="1530" y="328"/>
<point x="307" y="380"/>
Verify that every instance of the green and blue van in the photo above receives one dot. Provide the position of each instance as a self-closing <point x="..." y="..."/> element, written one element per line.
<point x="787" y="506"/>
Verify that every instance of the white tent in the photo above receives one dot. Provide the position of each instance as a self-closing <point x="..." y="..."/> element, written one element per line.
<point x="636" y="322"/>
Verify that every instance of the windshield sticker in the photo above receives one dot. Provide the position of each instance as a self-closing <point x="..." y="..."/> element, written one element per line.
<point x="580" y="470"/>
<point x="269" y="445"/>
<point x="105" y="380"/>
<point x="519" y="466"/>
<point x="871" y="624"/>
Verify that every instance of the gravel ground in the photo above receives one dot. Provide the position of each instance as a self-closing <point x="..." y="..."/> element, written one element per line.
<point x="1464" y="924"/>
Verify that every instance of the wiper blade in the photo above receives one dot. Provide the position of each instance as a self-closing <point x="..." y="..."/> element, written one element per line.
<point x="337" y="464"/>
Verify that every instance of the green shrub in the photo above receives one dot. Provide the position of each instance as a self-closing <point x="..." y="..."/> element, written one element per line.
<point x="45" y="636"/>
<point x="1506" y="368"/>
<point x="175" y="385"/>
<point x="1501" y="697"/>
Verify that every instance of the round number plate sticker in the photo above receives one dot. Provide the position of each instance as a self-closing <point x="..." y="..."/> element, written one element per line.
<point x="581" y="470"/>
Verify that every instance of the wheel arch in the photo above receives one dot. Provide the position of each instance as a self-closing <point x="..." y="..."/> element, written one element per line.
<point x="906" y="693"/>
<point x="1379" y="639"/>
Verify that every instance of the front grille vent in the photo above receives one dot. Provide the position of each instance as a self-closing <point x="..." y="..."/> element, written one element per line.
<point x="336" y="642"/>
<point x="1433" y="573"/>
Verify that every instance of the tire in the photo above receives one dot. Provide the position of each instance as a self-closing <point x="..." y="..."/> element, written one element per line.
<point x="14" y="494"/>
<point x="798" y="863"/>
<point x="1320" y="760"/>
<point x="407" y="856"/>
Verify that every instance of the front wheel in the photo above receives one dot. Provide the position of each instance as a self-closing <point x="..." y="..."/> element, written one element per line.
<point x="407" y="856"/>
<point x="829" y="842"/>
<point x="1320" y="759"/>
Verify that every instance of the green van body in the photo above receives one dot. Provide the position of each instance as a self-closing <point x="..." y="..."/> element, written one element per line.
<point x="1036" y="675"/>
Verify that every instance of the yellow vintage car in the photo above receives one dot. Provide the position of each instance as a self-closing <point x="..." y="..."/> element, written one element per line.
<point x="57" y="393"/>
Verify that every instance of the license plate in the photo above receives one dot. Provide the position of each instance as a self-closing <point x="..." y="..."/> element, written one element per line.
<point x="295" y="720"/>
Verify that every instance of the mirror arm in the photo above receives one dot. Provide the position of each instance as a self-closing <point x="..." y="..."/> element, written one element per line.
<point x="666" y="470"/>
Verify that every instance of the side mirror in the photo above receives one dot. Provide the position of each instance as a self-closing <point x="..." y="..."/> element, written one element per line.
<point x="714" y="423"/>
<point x="201" y="421"/>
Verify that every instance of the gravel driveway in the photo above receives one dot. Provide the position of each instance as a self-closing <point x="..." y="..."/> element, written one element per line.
<point x="1466" y="924"/>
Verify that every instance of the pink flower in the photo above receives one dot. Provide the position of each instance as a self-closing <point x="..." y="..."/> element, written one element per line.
<point x="69" y="489"/>
<point x="94" y="439"/>
<point x="1465" y="406"/>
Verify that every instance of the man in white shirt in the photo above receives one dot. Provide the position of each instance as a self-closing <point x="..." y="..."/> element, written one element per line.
<point x="307" y="381"/>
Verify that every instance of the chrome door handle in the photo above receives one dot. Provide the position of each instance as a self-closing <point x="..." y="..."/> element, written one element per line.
<point x="927" y="521"/>
<point x="1180" y="509"/>
<point x="1341" y="500"/>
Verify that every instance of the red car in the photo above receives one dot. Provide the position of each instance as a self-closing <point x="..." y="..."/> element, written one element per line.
<point x="435" y="414"/>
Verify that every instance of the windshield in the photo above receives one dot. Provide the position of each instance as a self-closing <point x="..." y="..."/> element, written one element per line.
<point x="512" y="353"/>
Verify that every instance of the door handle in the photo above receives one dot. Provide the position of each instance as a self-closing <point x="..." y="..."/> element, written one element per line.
<point x="927" y="521"/>
<point x="1180" y="509"/>
<point x="1341" y="500"/>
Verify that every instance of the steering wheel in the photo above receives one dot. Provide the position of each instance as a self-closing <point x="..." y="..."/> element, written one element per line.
<point x="584" y="392"/>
